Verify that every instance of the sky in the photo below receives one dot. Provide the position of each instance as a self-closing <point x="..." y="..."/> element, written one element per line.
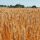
<point x="22" y="2"/>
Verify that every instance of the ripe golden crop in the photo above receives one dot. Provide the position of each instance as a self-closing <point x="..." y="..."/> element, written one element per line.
<point x="19" y="24"/>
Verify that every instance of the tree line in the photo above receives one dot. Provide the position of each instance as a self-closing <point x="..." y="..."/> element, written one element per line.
<point x="18" y="6"/>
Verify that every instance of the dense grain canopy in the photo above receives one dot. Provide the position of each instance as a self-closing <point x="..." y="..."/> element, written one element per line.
<point x="19" y="24"/>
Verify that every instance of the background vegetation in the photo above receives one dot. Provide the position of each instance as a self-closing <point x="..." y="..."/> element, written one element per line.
<point x="18" y="6"/>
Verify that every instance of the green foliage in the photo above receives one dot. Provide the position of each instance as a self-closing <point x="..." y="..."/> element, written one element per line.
<point x="2" y="5"/>
<point x="34" y="6"/>
<point x="19" y="6"/>
<point x="11" y="6"/>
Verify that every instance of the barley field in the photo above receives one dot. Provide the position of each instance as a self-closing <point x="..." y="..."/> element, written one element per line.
<point x="19" y="23"/>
